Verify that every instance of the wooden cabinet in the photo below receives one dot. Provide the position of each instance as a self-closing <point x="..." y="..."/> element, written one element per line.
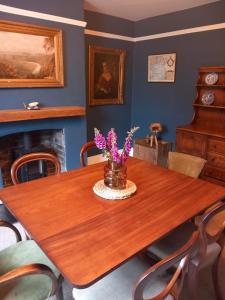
<point x="205" y="136"/>
<point x="157" y="155"/>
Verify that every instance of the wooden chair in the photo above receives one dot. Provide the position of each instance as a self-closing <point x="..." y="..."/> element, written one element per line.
<point x="25" y="271"/>
<point x="31" y="157"/>
<point x="23" y="160"/>
<point x="83" y="152"/>
<point x="211" y="253"/>
<point x="119" y="283"/>
<point x="184" y="283"/>
<point x="186" y="164"/>
<point x="191" y="166"/>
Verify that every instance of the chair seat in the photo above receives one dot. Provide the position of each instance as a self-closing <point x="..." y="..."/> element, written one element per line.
<point x="118" y="284"/>
<point x="173" y="241"/>
<point x="30" y="287"/>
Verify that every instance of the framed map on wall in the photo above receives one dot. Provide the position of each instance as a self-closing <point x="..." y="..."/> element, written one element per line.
<point x="161" y="67"/>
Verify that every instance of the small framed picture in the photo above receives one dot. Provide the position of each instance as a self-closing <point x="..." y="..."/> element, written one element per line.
<point x="106" y="75"/>
<point x="162" y="67"/>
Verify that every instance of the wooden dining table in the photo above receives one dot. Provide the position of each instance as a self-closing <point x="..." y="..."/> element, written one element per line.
<point x="87" y="236"/>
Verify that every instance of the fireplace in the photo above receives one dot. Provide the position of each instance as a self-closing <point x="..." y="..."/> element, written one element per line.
<point x="15" y="145"/>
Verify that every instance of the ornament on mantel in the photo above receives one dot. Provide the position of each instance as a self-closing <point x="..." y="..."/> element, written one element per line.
<point x="32" y="105"/>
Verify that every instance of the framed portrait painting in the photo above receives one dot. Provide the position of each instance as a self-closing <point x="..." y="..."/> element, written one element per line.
<point x="106" y="75"/>
<point x="30" y="56"/>
<point x="162" y="67"/>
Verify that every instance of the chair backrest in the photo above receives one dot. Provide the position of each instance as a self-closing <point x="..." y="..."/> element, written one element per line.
<point x="191" y="254"/>
<point x="186" y="164"/>
<point x="27" y="158"/>
<point x="84" y="150"/>
<point x="204" y="220"/>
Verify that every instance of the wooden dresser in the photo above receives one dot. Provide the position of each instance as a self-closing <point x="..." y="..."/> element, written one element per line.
<point x="205" y="136"/>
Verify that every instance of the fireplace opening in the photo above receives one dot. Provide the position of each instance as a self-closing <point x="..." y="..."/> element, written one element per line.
<point x="16" y="145"/>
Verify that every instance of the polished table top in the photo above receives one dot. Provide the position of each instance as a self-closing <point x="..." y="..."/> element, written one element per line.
<point x="87" y="236"/>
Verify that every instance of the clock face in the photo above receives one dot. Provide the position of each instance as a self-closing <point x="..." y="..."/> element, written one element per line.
<point x="208" y="98"/>
<point x="211" y="78"/>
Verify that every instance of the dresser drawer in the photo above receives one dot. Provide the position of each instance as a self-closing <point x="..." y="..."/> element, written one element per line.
<point x="216" y="145"/>
<point x="191" y="143"/>
<point x="214" y="172"/>
<point x="216" y="159"/>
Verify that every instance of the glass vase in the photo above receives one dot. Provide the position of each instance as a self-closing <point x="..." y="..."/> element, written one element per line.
<point x="115" y="175"/>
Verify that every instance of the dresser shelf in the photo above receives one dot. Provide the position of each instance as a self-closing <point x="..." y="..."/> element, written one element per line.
<point x="205" y="135"/>
<point x="211" y="86"/>
<point x="208" y="106"/>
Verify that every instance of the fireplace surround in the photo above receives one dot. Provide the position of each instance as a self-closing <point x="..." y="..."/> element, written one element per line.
<point x="28" y="129"/>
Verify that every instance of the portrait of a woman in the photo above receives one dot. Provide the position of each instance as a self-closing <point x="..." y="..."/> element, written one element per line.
<point x="107" y="81"/>
<point x="106" y="69"/>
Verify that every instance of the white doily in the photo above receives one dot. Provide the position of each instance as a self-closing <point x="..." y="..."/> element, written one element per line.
<point x="105" y="192"/>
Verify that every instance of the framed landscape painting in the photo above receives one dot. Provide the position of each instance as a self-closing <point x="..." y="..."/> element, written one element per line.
<point x="106" y="75"/>
<point x="161" y="67"/>
<point x="30" y="56"/>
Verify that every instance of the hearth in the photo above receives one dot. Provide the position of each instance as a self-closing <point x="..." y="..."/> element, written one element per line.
<point x="15" y="145"/>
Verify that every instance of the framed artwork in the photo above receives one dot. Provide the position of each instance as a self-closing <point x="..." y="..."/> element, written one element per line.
<point x="30" y="56"/>
<point x="106" y="75"/>
<point x="161" y="67"/>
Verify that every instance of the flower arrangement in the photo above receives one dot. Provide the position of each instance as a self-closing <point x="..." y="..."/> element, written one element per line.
<point x="109" y="145"/>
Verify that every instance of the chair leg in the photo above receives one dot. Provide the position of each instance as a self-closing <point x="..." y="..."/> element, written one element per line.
<point x="215" y="277"/>
<point x="59" y="293"/>
<point x="192" y="282"/>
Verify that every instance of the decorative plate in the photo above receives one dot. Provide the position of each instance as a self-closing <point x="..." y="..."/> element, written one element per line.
<point x="211" y="78"/>
<point x="105" y="192"/>
<point x="208" y="98"/>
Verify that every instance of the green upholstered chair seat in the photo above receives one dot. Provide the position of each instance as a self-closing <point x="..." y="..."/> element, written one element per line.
<point x="29" y="287"/>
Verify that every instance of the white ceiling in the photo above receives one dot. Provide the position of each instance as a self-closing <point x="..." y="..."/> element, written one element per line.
<point x="135" y="10"/>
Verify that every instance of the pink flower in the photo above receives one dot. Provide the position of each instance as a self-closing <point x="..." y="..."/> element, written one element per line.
<point x="109" y="146"/>
<point x="100" y="140"/>
<point x="111" y="139"/>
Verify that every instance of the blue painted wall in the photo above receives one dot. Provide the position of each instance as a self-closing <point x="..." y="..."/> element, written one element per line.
<point x="171" y="103"/>
<point x="105" y="117"/>
<point x="199" y="16"/>
<point x="168" y="103"/>
<point x="65" y="8"/>
<point x="74" y="70"/>
<point x="110" y="24"/>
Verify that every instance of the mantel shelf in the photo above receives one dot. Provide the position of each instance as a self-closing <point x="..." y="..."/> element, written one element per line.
<point x="16" y="115"/>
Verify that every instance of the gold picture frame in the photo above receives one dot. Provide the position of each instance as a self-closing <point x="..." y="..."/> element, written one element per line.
<point x="106" y="75"/>
<point x="162" y="67"/>
<point x="30" y="56"/>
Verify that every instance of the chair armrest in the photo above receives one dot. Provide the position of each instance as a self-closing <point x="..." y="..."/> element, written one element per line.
<point x="32" y="269"/>
<point x="181" y="256"/>
<point x="13" y="228"/>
